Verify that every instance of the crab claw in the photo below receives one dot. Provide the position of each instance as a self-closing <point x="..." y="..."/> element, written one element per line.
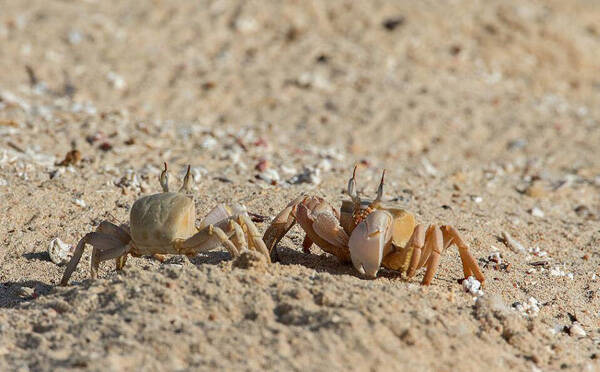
<point x="369" y="242"/>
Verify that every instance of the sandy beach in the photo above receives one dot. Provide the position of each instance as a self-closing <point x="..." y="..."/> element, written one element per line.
<point x="485" y="115"/>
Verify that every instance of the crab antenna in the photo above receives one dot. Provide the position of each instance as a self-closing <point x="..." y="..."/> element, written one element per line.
<point x="164" y="179"/>
<point x="352" y="187"/>
<point x="186" y="180"/>
<point x="380" y="188"/>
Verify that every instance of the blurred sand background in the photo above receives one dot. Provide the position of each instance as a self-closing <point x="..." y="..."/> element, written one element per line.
<point x="485" y="114"/>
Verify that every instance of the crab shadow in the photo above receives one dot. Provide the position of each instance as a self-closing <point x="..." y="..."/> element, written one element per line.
<point x="13" y="293"/>
<point x="37" y="256"/>
<point x="328" y="263"/>
<point x="210" y="258"/>
<point x="324" y="263"/>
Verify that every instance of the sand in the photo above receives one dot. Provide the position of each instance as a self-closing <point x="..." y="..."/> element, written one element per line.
<point x="485" y="115"/>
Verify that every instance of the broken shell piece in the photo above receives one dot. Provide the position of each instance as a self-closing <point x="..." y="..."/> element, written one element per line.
<point x="472" y="286"/>
<point x="511" y="243"/>
<point x="79" y="202"/>
<point x="308" y="175"/>
<point x="270" y="176"/>
<point x="59" y="251"/>
<point x="536" y="212"/>
<point x="576" y="330"/>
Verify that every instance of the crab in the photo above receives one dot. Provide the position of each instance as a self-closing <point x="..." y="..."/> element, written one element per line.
<point x="164" y="223"/>
<point x="371" y="235"/>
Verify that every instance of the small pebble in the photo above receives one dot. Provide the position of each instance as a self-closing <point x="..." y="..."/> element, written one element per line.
<point x="208" y="143"/>
<point x="79" y="202"/>
<point x="429" y="168"/>
<point x="536" y="251"/>
<point x="536" y="191"/>
<point x="262" y="165"/>
<point x="308" y="175"/>
<point x="536" y="212"/>
<point x="576" y="330"/>
<point x="392" y="23"/>
<point x="516" y="144"/>
<point x="270" y="176"/>
<point x="26" y="292"/>
<point x="529" y="309"/>
<point x="116" y="81"/>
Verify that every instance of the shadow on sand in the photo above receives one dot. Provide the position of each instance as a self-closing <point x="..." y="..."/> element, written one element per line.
<point x="13" y="294"/>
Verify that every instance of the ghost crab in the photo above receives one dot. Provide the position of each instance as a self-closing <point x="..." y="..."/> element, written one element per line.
<point x="164" y="223"/>
<point x="371" y="234"/>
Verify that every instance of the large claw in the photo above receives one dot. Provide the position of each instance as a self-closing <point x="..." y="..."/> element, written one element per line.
<point x="321" y="223"/>
<point x="280" y="226"/>
<point x="370" y="242"/>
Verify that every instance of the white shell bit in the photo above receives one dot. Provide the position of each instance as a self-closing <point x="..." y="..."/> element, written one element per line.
<point x="59" y="251"/>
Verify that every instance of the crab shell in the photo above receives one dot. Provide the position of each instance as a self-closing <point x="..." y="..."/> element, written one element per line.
<point x="380" y="234"/>
<point x="159" y="220"/>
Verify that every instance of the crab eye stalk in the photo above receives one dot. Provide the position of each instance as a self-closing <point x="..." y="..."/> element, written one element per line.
<point x="164" y="179"/>
<point x="352" y="188"/>
<point x="186" y="180"/>
<point x="380" y="189"/>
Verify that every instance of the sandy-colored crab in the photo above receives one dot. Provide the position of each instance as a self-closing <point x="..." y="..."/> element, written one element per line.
<point x="164" y="223"/>
<point x="370" y="234"/>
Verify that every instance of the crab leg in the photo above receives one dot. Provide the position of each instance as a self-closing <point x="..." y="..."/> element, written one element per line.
<point x="254" y="238"/>
<point x="230" y="233"/>
<point x="434" y="245"/>
<point x="121" y="232"/>
<point x="470" y="266"/>
<point x="105" y="248"/>
<point x="280" y="225"/>
<point x="224" y="239"/>
<point x="415" y="245"/>
<point x="323" y="228"/>
<point x="306" y="244"/>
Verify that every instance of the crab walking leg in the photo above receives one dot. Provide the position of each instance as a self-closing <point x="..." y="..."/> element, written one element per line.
<point x="105" y="247"/>
<point x="121" y="233"/>
<point x="238" y="238"/>
<point x="224" y="239"/>
<point x="306" y="244"/>
<point x="110" y="228"/>
<point x="204" y="240"/>
<point x="434" y="243"/>
<point x="225" y="231"/>
<point x="469" y="263"/>
<point x="448" y="240"/>
<point x="427" y="248"/>
<point x="121" y="261"/>
<point x="414" y="246"/>
<point x="254" y="238"/>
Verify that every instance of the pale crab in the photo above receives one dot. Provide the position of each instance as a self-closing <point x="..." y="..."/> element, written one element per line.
<point x="164" y="223"/>
<point x="371" y="235"/>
